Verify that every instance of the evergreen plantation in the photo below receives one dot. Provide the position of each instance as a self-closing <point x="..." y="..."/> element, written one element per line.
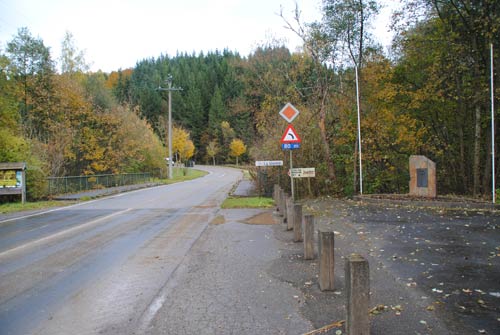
<point x="431" y="97"/>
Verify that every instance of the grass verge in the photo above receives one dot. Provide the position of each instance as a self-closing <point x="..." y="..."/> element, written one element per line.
<point x="30" y="206"/>
<point x="183" y="174"/>
<point x="247" y="202"/>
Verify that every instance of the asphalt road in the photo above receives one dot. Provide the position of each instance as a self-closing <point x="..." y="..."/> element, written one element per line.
<point x="98" y="267"/>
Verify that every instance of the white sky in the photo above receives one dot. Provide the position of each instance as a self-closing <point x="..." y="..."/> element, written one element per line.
<point x="117" y="33"/>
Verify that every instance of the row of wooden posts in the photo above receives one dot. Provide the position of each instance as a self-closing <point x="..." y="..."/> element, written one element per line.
<point x="357" y="274"/>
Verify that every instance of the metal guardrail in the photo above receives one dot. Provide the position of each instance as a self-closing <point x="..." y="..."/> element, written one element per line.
<point x="73" y="184"/>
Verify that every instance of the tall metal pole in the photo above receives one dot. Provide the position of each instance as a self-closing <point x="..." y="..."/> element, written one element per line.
<point x="291" y="176"/>
<point x="170" y="176"/>
<point x="492" y="126"/>
<point x="359" y="134"/>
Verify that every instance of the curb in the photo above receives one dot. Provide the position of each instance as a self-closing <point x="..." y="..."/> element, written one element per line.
<point x="429" y="203"/>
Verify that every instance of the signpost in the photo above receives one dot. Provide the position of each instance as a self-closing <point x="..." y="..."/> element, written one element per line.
<point x="303" y="173"/>
<point x="268" y="163"/>
<point x="13" y="179"/>
<point x="290" y="139"/>
<point x="289" y="112"/>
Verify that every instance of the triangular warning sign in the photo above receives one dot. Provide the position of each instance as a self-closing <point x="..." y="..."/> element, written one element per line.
<point x="290" y="135"/>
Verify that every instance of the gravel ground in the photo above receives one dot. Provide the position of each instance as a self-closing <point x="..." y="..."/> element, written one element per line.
<point x="433" y="271"/>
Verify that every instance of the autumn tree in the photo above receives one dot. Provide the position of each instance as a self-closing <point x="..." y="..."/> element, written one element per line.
<point x="182" y="146"/>
<point x="237" y="148"/>
<point x="72" y="60"/>
<point x="449" y="47"/>
<point x="212" y="150"/>
<point x="345" y="23"/>
<point x="33" y="70"/>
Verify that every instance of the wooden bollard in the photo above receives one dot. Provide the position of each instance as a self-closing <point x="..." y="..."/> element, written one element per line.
<point x="357" y="276"/>
<point x="326" y="241"/>
<point x="309" y="237"/>
<point x="276" y="196"/>
<point x="285" y="207"/>
<point x="281" y="201"/>
<point x="297" y="223"/>
<point x="289" y="213"/>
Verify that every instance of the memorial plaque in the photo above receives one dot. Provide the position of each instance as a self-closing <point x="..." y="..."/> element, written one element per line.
<point x="422" y="177"/>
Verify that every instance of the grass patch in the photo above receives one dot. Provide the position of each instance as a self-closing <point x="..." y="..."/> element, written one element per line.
<point x="183" y="174"/>
<point x="247" y="202"/>
<point x="13" y="207"/>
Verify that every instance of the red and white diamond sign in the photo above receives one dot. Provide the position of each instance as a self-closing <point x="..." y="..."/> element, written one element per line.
<point x="289" y="112"/>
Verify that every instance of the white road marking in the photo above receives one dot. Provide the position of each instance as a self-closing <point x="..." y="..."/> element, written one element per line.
<point x="61" y="233"/>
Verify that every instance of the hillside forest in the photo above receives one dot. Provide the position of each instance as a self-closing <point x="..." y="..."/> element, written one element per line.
<point x="428" y="95"/>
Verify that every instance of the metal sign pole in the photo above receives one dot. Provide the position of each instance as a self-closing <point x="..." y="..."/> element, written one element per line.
<point x="493" y="186"/>
<point x="291" y="176"/>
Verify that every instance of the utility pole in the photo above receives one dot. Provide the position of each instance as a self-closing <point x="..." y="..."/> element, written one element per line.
<point x="169" y="127"/>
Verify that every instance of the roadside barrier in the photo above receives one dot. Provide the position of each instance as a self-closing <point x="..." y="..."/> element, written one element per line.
<point x="326" y="240"/>
<point x="289" y="213"/>
<point x="283" y="205"/>
<point x="73" y="184"/>
<point x="276" y="190"/>
<point x="297" y="223"/>
<point x="357" y="276"/>
<point x="357" y="271"/>
<point x="309" y="237"/>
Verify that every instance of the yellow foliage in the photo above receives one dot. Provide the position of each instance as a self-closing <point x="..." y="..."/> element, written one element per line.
<point x="181" y="143"/>
<point x="237" y="148"/>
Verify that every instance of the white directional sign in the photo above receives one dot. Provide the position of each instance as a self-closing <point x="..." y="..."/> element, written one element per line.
<point x="268" y="163"/>
<point x="303" y="173"/>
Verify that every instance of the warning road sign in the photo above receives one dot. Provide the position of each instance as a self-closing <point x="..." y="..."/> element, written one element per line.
<point x="290" y="135"/>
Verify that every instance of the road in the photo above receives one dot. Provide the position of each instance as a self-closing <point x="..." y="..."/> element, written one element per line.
<point x="98" y="266"/>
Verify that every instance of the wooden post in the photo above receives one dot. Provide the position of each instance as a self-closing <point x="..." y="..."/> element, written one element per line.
<point x="326" y="240"/>
<point x="357" y="276"/>
<point x="285" y="208"/>
<point x="309" y="237"/>
<point x="23" y="186"/>
<point x="281" y="202"/>
<point x="276" y="196"/>
<point x="297" y="223"/>
<point x="289" y="213"/>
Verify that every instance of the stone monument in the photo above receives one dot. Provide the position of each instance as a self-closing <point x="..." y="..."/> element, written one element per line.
<point x="422" y="177"/>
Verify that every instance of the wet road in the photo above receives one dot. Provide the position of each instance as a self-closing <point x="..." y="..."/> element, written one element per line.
<point x="97" y="267"/>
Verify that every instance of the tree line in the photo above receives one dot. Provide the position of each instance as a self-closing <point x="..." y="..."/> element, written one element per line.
<point x="430" y="96"/>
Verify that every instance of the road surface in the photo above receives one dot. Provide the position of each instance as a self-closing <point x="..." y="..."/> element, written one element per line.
<point x="98" y="267"/>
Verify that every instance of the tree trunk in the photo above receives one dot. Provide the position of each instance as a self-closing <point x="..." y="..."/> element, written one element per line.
<point x="463" y="173"/>
<point x="477" y="152"/>
<point x="487" y="168"/>
<point x="326" y="147"/>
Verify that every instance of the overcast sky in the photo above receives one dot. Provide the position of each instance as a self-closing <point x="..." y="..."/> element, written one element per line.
<point x="117" y="33"/>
